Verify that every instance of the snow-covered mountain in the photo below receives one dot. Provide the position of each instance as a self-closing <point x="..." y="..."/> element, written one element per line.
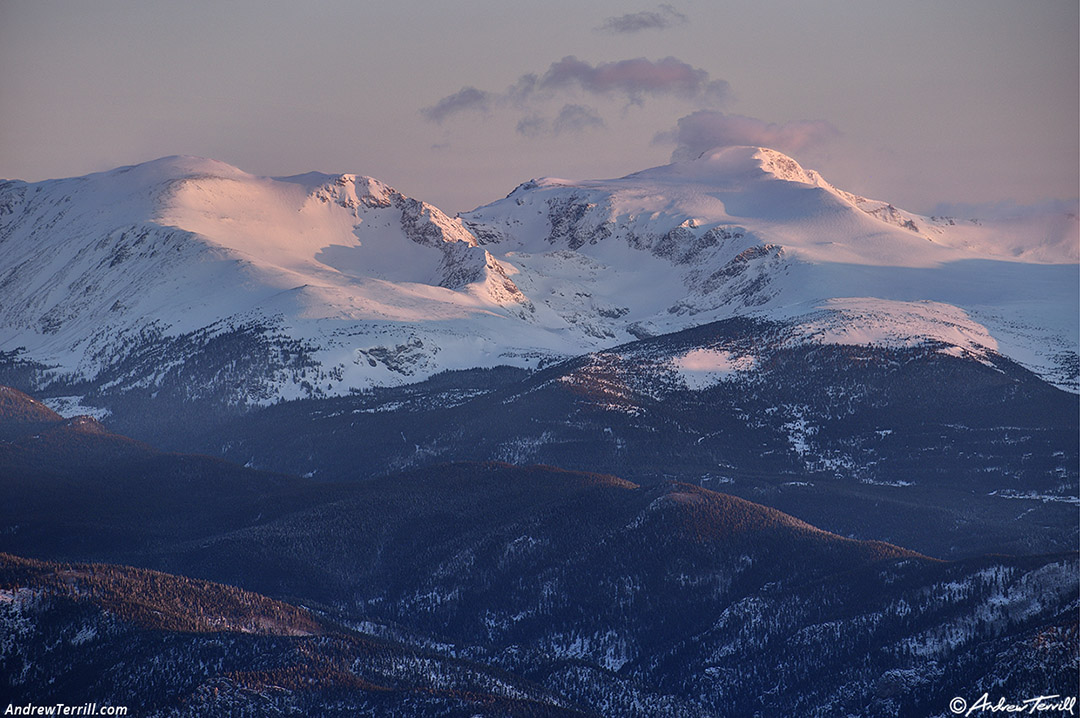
<point x="538" y="533"/>
<point x="96" y="268"/>
<point x="189" y="275"/>
<point x="747" y="231"/>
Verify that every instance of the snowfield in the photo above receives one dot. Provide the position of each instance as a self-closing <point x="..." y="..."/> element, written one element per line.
<point x="371" y="287"/>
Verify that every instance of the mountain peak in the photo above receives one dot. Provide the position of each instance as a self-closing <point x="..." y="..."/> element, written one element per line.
<point x="783" y="167"/>
<point x="185" y="244"/>
<point x="734" y="165"/>
<point x="174" y="167"/>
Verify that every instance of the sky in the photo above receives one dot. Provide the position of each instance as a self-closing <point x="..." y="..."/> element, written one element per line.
<point x="923" y="104"/>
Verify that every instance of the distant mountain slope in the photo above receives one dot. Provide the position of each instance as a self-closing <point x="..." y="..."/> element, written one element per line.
<point x="191" y="281"/>
<point x="163" y="645"/>
<point x="73" y="489"/>
<point x="911" y="444"/>
<point x="561" y="590"/>
<point x="32" y="433"/>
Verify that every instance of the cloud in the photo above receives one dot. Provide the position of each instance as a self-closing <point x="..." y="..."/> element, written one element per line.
<point x="703" y="130"/>
<point x="532" y="126"/>
<point x="577" y="118"/>
<point x="645" y="20"/>
<point x="465" y="99"/>
<point x="520" y="92"/>
<point x="1007" y="209"/>
<point x="633" y="79"/>
<point x="571" y="119"/>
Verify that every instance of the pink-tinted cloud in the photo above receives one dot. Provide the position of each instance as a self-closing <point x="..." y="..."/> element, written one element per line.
<point x="635" y="79"/>
<point x="704" y="130"/>
<point x="465" y="99"/>
<point x="665" y="17"/>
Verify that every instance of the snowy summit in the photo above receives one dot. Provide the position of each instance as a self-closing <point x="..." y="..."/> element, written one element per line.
<point x="373" y="287"/>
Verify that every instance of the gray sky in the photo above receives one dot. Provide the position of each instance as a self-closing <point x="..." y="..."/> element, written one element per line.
<point x="457" y="102"/>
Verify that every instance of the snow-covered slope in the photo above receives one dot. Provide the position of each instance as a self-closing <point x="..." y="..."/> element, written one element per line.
<point x="746" y="230"/>
<point x="93" y="268"/>
<point x="319" y="284"/>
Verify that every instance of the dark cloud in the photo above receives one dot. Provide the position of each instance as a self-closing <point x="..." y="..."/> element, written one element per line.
<point x="571" y="119"/>
<point x="467" y="98"/>
<point x="576" y="118"/>
<point x="532" y="126"/>
<point x="705" y="129"/>
<point x="634" y="78"/>
<point x="523" y="89"/>
<point x="666" y="17"/>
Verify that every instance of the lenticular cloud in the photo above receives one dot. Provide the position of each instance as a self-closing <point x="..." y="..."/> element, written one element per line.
<point x="703" y="130"/>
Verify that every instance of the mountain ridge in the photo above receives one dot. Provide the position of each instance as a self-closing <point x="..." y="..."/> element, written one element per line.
<point x="496" y="442"/>
<point x="491" y="589"/>
<point x="346" y="279"/>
